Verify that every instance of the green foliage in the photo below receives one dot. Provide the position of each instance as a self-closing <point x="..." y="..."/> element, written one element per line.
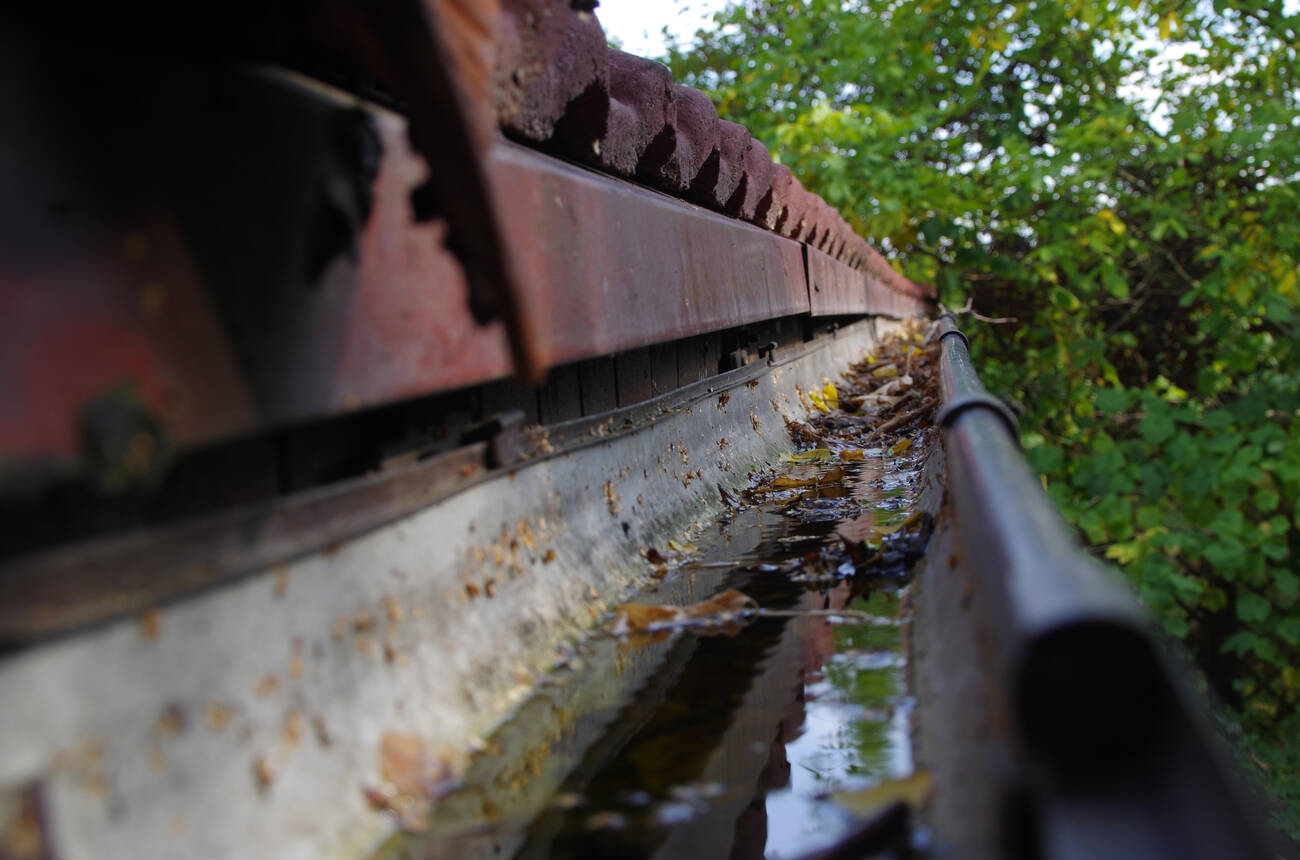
<point x="1121" y="178"/>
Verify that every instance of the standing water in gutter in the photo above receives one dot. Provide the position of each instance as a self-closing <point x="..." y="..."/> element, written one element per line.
<point x="776" y="721"/>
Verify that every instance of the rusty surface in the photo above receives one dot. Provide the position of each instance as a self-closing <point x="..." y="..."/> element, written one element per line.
<point x="393" y="324"/>
<point x="790" y="221"/>
<point x="720" y="175"/>
<point x="187" y="298"/>
<point x="626" y="269"/>
<point x="435" y="59"/>
<point x="886" y="301"/>
<point x="104" y="301"/>
<point x="833" y="287"/>
<point x="98" y="298"/>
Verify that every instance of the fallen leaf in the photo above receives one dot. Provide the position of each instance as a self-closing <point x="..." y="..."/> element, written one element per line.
<point x="640" y="617"/>
<point x="807" y="456"/>
<point x="725" y="608"/>
<point x="885" y="371"/>
<point x="915" y="790"/>
<point x="818" y="403"/>
<point x="900" y="446"/>
<point x="662" y="557"/>
<point x="828" y="477"/>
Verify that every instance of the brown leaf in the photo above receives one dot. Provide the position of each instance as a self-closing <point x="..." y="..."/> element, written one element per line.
<point x="725" y="608"/>
<point x="662" y="557"/>
<point x="830" y="476"/>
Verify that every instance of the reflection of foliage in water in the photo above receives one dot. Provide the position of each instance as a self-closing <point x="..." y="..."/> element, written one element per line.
<point x="865" y="637"/>
<point x="871" y="743"/>
<point x="871" y="688"/>
<point x="868" y="744"/>
<point x="882" y="603"/>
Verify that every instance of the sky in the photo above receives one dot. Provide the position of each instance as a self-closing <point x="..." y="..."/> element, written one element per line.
<point x="637" y="23"/>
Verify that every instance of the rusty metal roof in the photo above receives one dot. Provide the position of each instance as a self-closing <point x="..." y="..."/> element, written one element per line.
<point x="557" y="86"/>
<point x="350" y="227"/>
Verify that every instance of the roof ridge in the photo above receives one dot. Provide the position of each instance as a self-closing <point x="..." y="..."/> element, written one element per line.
<point x="560" y="88"/>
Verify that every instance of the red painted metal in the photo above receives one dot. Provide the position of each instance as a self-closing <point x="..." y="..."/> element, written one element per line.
<point x="105" y="295"/>
<point x="625" y="268"/>
<point x="96" y="293"/>
<point x="104" y="290"/>
<point x="834" y="288"/>
<point x="886" y="301"/>
<point x="393" y="324"/>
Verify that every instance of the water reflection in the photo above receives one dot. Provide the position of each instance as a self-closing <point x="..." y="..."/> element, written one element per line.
<point x="736" y="757"/>
<point x="725" y="746"/>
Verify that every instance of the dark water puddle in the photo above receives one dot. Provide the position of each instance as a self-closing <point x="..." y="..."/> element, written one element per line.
<point x="734" y="755"/>
<point x="717" y="745"/>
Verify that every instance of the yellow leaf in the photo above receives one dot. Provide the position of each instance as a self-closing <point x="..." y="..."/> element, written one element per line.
<point x="806" y="456"/>
<point x="887" y="371"/>
<point x="786" y="482"/>
<point x="851" y="454"/>
<point x="914" y="790"/>
<point x="900" y="446"/>
<point x="831" y="396"/>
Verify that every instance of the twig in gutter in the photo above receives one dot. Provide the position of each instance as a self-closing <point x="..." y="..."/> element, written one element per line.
<point x="900" y="420"/>
<point x="847" y="614"/>
<point x="968" y="309"/>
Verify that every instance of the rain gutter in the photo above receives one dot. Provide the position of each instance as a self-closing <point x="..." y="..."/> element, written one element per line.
<point x="1120" y="757"/>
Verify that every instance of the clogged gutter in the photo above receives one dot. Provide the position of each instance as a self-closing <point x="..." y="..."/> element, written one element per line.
<point x="768" y="710"/>
<point x="882" y="407"/>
